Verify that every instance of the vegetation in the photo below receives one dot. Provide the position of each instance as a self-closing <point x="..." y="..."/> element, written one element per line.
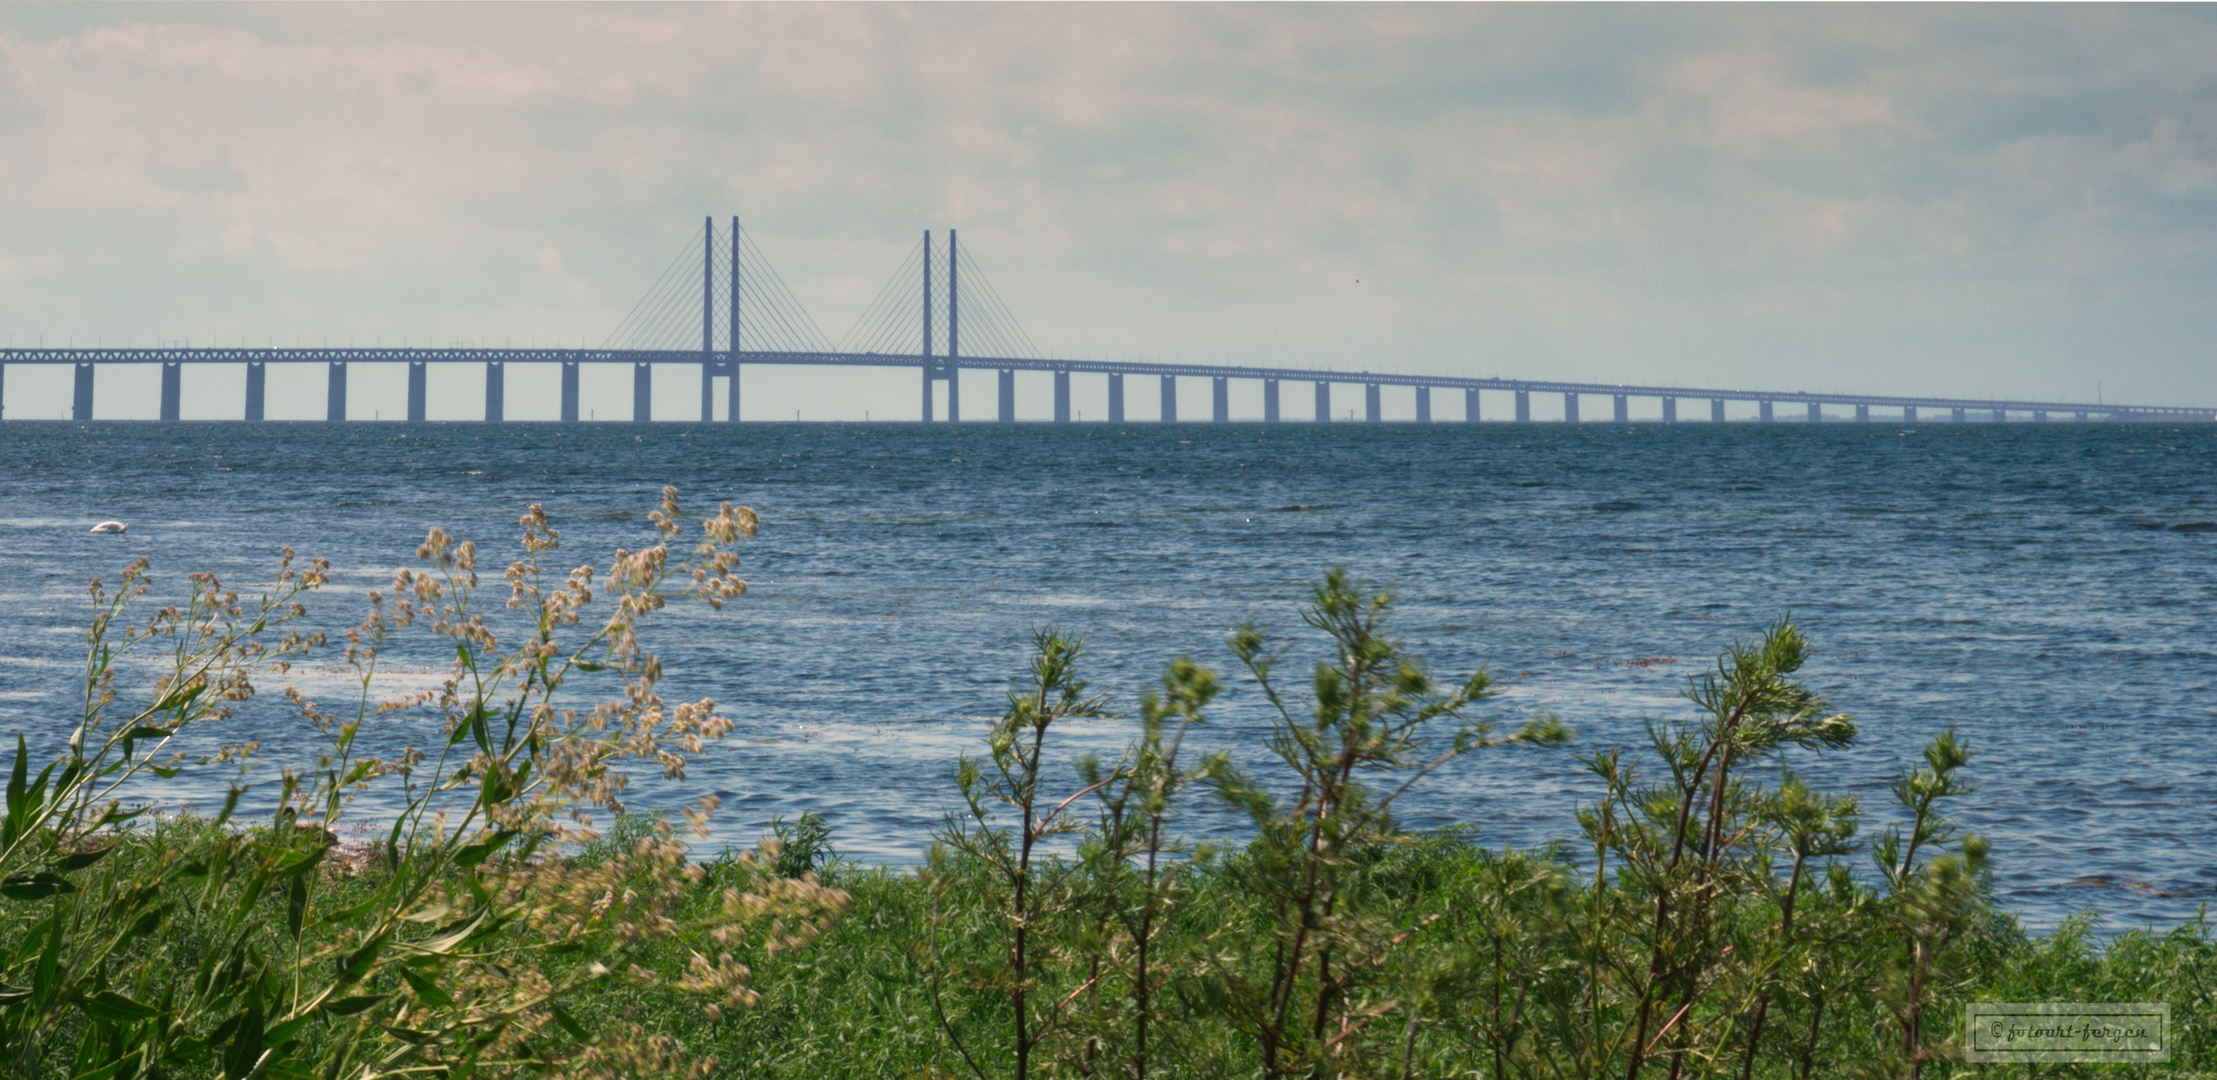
<point x="1715" y="917"/>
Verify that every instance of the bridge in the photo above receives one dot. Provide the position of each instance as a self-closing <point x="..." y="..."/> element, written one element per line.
<point x="755" y="308"/>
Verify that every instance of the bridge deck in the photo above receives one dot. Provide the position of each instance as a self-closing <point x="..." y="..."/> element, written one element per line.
<point x="1107" y="367"/>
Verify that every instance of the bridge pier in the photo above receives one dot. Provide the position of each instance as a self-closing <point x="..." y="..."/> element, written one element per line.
<point x="1623" y="409"/>
<point x="1220" y="400"/>
<point x="257" y="387"/>
<point x="642" y="393"/>
<point x="1523" y="406"/>
<point x="496" y="392"/>
<point x="173" y="390"/>
<point x="1763" y="412"/>
<point x="2080" y="417"/>
<point x="1423" y="404"/>
<point x="1959" y="416"/>
<point x="1909" y="414"/>
<point x="1862" y="414"/>
<point x="1470" y="406"/>
<point x="1062" y="397"/>
<point x="2039" y="417"/>
<point x="80" y="399"/>
<point x="569" y="392"/>
<point x="1008" y="396"/>
<point x="1323" y="402"/>
<point x="1371" y="412"/>
<point x="1170" y="399"/>
<point x="334" y="393"/>
<point x="418" y="391"/>
<point x="1570" y="408"/>
<point x="1270" y="401"/>
<point x="708" y="391"/>
<point x="1716" y="410"/>
<point x="2001" y="416"/>
<point x="1116" y="399"/>
<point x="1816" y="413"/>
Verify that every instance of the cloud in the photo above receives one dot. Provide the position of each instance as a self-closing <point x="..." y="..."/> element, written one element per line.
<point x="1974" y="200"/>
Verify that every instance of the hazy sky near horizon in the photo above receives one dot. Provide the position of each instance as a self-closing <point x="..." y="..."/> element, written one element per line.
<point x="1978" y="200"/>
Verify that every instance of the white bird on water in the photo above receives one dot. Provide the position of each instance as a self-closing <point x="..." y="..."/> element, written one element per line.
<point x="110" y="527"/>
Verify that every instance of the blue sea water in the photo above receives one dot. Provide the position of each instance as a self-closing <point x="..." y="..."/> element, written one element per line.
<point x="2023" y="584"/>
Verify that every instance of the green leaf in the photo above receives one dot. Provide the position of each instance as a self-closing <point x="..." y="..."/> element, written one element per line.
<point x="114" y="1008"/>
<point x="427" y="991"/>
<point x="409" y="1035"/>
<point x="9" y="995"/>
<point x="359" y="962"/>
<point x="82" y="859"/>
<point x="296" y="905"/>
<point x="246" y="1046"/>
<point x="348" y="1006"/>
<point x="569" y="1023"/>
<point x="144" y="731"/>
<point x="34" y="886"/>
<point x="348" y="912"/>
<point x="473" y="854"/>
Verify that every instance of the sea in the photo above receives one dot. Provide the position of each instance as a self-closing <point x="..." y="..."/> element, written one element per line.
<point x="2047" y="591"/>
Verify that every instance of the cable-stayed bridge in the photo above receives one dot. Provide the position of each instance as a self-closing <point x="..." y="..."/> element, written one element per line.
<point x="938" y="314"/>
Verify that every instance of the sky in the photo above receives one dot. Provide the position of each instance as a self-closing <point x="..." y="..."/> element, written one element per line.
<point x="1983" y="200"/>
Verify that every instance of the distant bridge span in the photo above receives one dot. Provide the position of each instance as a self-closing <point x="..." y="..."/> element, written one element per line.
<point x="755" y="307"/>
<point x="715" y="364"/>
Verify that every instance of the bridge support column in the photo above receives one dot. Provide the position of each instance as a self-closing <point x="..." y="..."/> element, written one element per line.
<point x="954" y="390"/>
<point x="1523" y="406"/>
<point x="2001" y="416"/>
<point x="1763" y="411"/>
<point x="1062" y="397"/>
<point x="731" y="392"/>
<point x="642" y="393"/>
<point x="1909" y="414"/>
<point x="1423" y="404"/>
<point x="496" y="392"/>
<point x="1816" y="413"/>
<point x="3" y="395"/>
<point x="1862" y="414"/>
<point x="1670" y="410"/>
<point x="1116" y="399"/>
<point x="257" y="390"/>
<point x="1716" y="410"/>
<point x="80" y="400"/>
<point x="1959" y="416"/>
<point x="1323" y="403"/>
<point x="1623" y="409"/>
<point x="1371" y="412"/>
<point x="1470" y="406"/>
<point x="418" y="391"/>
<point x="2039" y="418"/>
<point x="569" y="392"/>
<point x="1570" y="408"/>
<point x="1008" y="396"/>
<point x="1270" y="401"/>
<point x="334" y="393"/>
<point x="173" y="390"/>
<point x="708" y="390"/>
<point x="927" y="361"/>
<point x="1170" y="399"/>
<point x="2080" y="417"/>
<point x="1220" y="400"/>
